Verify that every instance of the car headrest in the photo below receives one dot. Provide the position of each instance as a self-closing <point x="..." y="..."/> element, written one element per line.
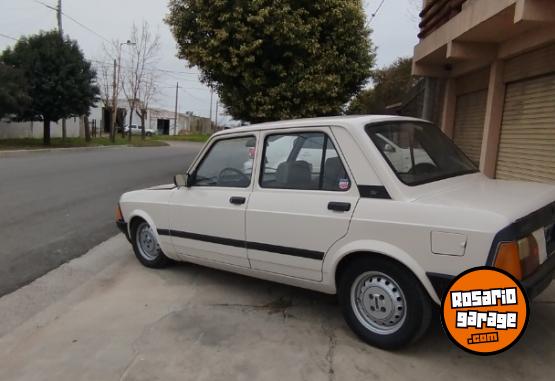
<point x="295" y="174"/>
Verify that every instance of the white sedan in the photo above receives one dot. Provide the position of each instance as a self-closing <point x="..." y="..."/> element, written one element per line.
<point x="326" y="204"/>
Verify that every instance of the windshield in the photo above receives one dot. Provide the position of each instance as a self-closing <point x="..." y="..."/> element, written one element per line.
<point x="419" y="152"/>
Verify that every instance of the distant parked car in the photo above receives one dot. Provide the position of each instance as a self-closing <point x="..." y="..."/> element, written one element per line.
<point x="137" y="130"/>
<point x="383" y="211"/>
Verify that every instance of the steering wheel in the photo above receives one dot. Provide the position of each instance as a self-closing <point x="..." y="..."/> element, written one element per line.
<point x="233" y="171"/>
<point x="422" y="168"/>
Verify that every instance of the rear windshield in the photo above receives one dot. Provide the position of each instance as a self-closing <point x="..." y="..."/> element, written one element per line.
<point x="419" y="152"/>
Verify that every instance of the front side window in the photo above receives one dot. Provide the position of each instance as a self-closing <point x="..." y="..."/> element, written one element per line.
<point x="229" y="163"/>
<point x="419" y="153"/>
<point x="307" y="161"/>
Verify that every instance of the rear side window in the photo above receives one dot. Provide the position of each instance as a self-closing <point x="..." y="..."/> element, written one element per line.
<point x="229" y="163"/>
<point x="307" y="161"/>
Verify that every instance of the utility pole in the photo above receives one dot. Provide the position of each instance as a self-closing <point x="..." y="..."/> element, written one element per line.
<point x="176" y="103"/>
<point x="114" y="104"/>
<point x="59" y="14"/>
<point x="217" y="106"/>
<point x="211" y="102"/>
<point x="61" y="32"/>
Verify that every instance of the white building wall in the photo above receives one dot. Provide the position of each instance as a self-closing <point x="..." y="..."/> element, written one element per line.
<point x="20" y="130"/>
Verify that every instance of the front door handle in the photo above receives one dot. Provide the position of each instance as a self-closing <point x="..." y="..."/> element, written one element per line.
<point x="339" y="206"/>
<point x="237" y="200"/>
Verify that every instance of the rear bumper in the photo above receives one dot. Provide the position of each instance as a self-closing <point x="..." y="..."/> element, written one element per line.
<point x="534" y="285"/>
<point x="540" y="279"/>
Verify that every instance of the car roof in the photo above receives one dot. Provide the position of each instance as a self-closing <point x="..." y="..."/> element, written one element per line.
<point x="349" y="121"/>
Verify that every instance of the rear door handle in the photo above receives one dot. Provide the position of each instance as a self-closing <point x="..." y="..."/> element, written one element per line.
<point x="237" y="200"/>
<point x="339" y="206"/>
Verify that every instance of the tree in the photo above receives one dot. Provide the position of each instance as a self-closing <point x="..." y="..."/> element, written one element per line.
<point x="138" y="80"/>
<point x="273" y="60"/>
<point x="14" y="95"/>
<point x="109" y="79"/>
<point x="61" y="82"/>
<point x="147" y="92"/>
<point x="390" y="85"/>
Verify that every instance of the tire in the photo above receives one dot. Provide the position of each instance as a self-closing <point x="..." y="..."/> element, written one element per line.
<point x="146" y="247"/>
<point x="148" y="134"/>
<point x="392" y="309"/>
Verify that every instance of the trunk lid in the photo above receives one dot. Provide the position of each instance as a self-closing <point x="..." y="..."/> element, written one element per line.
<point x="510" y="199"/>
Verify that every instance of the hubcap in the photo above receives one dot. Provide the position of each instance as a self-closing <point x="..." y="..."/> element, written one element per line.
<point x="378" y="302"/>
<point x="146" y="242"/>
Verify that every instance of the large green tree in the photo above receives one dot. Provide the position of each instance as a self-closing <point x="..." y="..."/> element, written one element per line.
<point x="14" y="95"/>
<point x="61" y="81"/>
<point x="272" y="60"/>
<point x="390" y="85"/>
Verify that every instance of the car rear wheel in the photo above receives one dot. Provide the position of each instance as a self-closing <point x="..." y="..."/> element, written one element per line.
<point x="146" y="247"/>
<point x="383" y="303"/>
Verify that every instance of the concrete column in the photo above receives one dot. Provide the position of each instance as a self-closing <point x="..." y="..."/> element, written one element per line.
<point x="427" y="106"/>
<point x="449" y="108"/>
<point x="493" y="120"/>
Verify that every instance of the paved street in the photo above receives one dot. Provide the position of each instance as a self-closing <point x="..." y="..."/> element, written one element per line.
<point x="105" y="317"/>
<point x="55" y="206"/>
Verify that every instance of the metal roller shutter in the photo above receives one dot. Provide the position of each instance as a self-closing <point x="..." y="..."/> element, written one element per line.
<point x="527" y="143"/>
<point x="469" y="123"/>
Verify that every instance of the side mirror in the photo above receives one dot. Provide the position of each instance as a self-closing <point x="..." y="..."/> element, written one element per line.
<point x="181" y="181"/>
<point x="389" y="148"/>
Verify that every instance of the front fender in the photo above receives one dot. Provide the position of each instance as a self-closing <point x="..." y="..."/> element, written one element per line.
<point x="334" y="257"/>
<point x="142" y="214"/>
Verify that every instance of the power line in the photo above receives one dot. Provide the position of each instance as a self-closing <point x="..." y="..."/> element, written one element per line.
<point x="151" y="69"/>
<point x="373" y="15"/>
<point x="86" y="27"/>
<point x="73" y="19"/>
<point x="8" y="37"/>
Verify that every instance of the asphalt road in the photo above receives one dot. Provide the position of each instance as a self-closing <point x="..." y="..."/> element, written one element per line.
<point x="55" y="206"/>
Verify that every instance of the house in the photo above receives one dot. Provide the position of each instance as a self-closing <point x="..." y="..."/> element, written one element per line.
<point x="160" y="120"/>
<point x="496" y="63"/>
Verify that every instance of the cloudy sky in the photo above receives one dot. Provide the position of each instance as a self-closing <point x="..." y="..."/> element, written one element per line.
<point x="91" y="23"/>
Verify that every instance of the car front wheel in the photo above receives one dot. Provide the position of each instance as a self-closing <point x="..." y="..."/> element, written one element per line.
<point x="146" y="247"/>
<point x="383" y="303"/>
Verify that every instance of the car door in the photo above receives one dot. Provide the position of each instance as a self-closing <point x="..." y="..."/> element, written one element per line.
<point x="207" y="219"/>
<point x="301" y="204"/>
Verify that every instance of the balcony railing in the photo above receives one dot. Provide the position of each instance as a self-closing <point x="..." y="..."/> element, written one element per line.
<point x="437" y="13"/>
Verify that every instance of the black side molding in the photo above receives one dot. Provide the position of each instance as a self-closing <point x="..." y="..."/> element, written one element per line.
<point x="373" y="191"/>
<point x="291" y="251"/>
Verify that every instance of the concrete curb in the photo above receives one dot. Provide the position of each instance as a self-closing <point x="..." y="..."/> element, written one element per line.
<point x="70" y="149"/>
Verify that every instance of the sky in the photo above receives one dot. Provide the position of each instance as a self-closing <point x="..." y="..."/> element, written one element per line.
<point x="94" y="22"/>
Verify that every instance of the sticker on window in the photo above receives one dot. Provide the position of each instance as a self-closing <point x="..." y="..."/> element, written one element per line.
<point x="344" y="184"/>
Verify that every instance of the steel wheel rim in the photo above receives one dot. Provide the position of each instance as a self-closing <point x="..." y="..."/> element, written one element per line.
<point x="378" y="302"/>
<point x="146" y="242"/>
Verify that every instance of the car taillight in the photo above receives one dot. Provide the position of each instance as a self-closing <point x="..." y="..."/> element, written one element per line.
<point x="519" y="258"/>
<point x="119" y="215"/>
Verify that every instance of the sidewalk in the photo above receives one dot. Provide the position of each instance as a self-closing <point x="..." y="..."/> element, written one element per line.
<point x="104" y="317"/>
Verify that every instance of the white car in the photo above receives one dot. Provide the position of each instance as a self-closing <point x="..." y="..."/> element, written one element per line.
<point x="321" y="206"/>
<point x="137" y="130"/>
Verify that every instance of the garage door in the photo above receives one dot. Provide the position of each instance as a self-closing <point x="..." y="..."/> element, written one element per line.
<point x="469" y="123"/>
<point x="527" y="143"/>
